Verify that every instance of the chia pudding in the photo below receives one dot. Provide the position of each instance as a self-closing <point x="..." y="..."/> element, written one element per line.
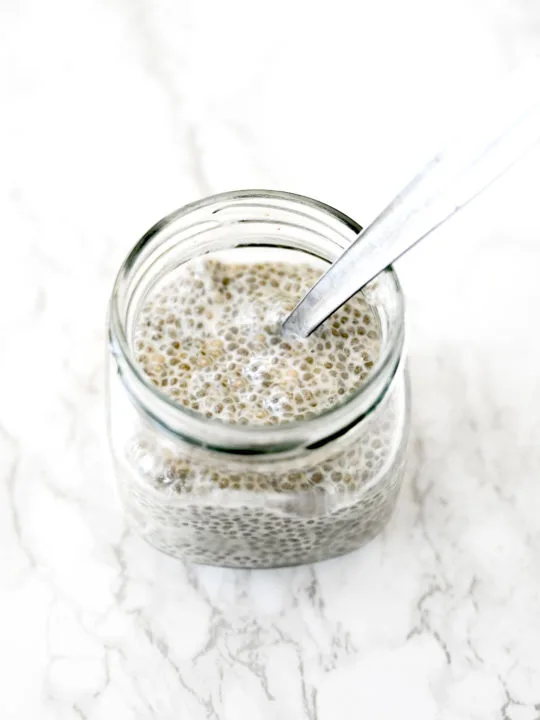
<point x="210" y="340"/>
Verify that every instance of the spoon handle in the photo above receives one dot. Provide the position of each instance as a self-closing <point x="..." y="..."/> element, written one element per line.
<point x="506" y="126"/>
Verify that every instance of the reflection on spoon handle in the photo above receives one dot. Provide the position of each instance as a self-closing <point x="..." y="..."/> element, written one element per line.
<point x="507" y="125"/>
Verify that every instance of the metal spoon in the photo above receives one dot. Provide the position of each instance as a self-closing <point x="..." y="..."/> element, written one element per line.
<point x="507" y="125"/>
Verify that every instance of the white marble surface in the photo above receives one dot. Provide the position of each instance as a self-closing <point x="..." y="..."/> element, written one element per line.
<point x="112" y="114"/>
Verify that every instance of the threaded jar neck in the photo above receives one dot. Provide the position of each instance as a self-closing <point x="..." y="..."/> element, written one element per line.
<point x="249" y="219"/>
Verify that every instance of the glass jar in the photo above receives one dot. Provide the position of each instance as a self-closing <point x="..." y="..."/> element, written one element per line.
<point x="252" y="496"/>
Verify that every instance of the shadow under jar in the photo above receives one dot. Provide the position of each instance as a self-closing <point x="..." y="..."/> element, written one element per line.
<point x="253" y="496"/>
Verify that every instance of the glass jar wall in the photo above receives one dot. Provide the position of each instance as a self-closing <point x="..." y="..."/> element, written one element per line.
<point x="242" y="495"/>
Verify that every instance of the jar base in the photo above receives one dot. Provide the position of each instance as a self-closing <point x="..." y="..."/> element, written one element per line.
<point x="210" y="557"/>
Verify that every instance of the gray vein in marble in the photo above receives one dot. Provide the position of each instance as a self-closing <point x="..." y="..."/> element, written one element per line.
<point x="474" y="604"/>
<point x="79" y="713"/>
<point x="420" y="496"/>
<point x="151" y="41"/>
<point x="512" y="701"/>
<point x="11" y="484"/>
<point x="164" y="650"/>
<point x="122" y="578"/>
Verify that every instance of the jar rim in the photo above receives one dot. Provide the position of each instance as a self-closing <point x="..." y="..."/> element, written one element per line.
<point x="217" y="434"/>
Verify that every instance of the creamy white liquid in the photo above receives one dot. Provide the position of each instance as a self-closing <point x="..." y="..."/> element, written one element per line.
<point x="211" y="340"/>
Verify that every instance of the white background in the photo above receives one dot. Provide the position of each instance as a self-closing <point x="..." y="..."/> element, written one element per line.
<point x="114" y="113"/>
